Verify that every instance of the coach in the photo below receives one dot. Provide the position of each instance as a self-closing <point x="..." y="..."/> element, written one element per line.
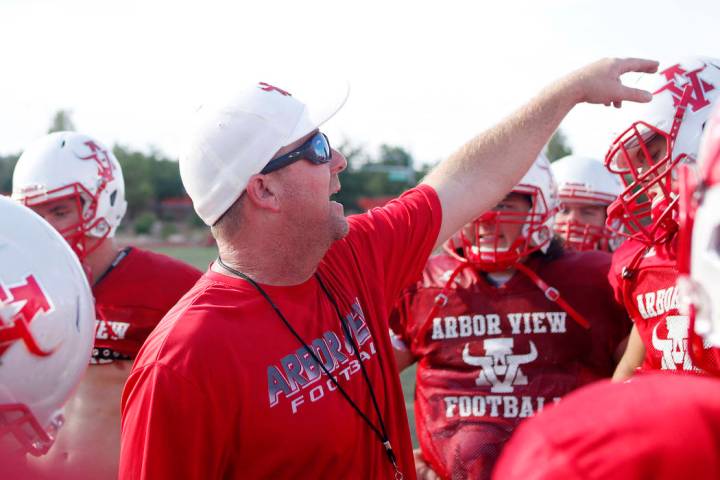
<point x="277" y="364"/>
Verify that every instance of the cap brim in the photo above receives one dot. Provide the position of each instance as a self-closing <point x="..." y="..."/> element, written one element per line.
<point x="322" y="102"/>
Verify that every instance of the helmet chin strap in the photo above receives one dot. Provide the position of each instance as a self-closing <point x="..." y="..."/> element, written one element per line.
<point x="441" y="299"/>
<point x="553" y="294"/>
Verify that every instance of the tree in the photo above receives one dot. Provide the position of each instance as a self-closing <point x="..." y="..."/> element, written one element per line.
<point x="139" y="187"/>
<point x="394" y="155"/>
<point x="557" y="147"/>
<point x="7" y="165"/>
<point x="389" y="173"/>
<point x="61" y="122"/>
<point x="354" y="154"/>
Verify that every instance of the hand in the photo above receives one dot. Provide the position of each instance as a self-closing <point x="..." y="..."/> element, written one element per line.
<point x="422" y="469"/>
<point x="599" y="82"/>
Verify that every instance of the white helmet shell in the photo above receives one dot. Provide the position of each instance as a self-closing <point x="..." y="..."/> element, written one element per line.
<point x="61" y="163"/>
<point x="47" y="322"/>
<point x="585" y="180"/>
<point x="701" y="75"/>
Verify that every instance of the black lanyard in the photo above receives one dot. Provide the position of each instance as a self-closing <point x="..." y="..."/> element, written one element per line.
<point x="381" y="432"/>
<point x="119" y="258"/>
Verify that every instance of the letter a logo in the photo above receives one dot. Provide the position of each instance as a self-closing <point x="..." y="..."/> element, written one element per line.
<point x="19" y="306"/>
<point x="679" y="79"/>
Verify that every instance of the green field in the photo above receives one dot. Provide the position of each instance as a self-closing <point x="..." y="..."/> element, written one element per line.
<point x="201" y="258"/>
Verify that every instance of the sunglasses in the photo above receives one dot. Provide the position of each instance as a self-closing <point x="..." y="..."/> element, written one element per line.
<point x="316" y="150"/>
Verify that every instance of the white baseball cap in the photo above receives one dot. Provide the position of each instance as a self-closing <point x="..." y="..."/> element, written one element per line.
<point x="232" y="141"/>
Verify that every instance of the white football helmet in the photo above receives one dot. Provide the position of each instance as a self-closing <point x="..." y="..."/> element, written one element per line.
<point x="537" y="231"/>
<point x="584" y="180"/>
<point x="47" y="322"/>
<point x="661" y="135"/>
<point x="71" y="165"/>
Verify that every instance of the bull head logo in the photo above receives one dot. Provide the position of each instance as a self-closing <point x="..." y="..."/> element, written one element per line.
<point x="674" y="347"/>
<point x="500" y="367"/>
<point x="101" y="158"/>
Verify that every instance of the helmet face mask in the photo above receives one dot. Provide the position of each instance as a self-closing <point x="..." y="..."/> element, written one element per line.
<point x="81" y="227"/>
<point x="585" y="189"/>
<point x="520" y="225"/>
<point x="642" y="158"/>
<point x="582" y="236"/>
<point x="664" y="134"/>
<point x="31" y="437"/>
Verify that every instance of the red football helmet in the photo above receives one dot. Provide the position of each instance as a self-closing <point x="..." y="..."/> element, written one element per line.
<point x="663" y="134"/>
<point x="480" y="243"/>
<point x="699" y="248"/>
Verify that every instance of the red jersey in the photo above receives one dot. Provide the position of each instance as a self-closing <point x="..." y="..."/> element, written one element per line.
<point x="222" y="389"/>
<point x="645" y="281"/>
<point x="493" y="356"/>
<point x="655" y="426"/>
<point x="132" y="297"/>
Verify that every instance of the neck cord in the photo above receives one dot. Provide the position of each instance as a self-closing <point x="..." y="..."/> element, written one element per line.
<point x="118" y="258"/>
<point x="98" y="311"/>
<point x="382" y="432"/>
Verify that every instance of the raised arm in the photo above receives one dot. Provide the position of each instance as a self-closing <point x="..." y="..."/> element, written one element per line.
<point x="478" y="175"/>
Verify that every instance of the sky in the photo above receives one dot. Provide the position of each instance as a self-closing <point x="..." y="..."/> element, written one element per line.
<point x="424" y="75"/>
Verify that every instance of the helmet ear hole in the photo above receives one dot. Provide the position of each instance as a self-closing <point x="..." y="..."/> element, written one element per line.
<point x="113" y="195"/>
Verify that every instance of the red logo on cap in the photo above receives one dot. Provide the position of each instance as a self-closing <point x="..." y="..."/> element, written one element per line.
<point x="99" y="156"/>
<point x="678" y="78"/>
<point x="31" y="300"/>
<point x="269" y="88"/>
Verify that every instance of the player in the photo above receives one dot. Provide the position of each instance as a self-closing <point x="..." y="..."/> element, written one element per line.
<point x="585" y="190"/>
<point x="76" y="184"/>
<point x="46" y="334"/>
<point x="502" y="326"/>
<point x="658" y="425"/>
<point x="645" y="156"/>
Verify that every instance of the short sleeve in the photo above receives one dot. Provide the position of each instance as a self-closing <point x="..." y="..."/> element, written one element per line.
<point x="398" y="238"/>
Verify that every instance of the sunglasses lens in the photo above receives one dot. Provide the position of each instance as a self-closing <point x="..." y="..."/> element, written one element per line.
<point x="321" y="148"/>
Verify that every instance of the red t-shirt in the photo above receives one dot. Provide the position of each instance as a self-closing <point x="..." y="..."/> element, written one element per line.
<point x="656" y="426"/>
<point x="222" y="389"/>
<point x="132" y="298"/>
<point x="493" y="356"/>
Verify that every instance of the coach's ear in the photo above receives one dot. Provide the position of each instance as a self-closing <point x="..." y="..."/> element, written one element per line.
<point x="262" y="192"/>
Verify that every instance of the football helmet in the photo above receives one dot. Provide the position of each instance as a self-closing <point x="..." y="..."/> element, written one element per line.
<point x="47" y="322"/>
<point x="586" y="181"/>
<point x="662" y="134"/>
<point x="539" y="186"/>
<point x="72" y="165"/>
